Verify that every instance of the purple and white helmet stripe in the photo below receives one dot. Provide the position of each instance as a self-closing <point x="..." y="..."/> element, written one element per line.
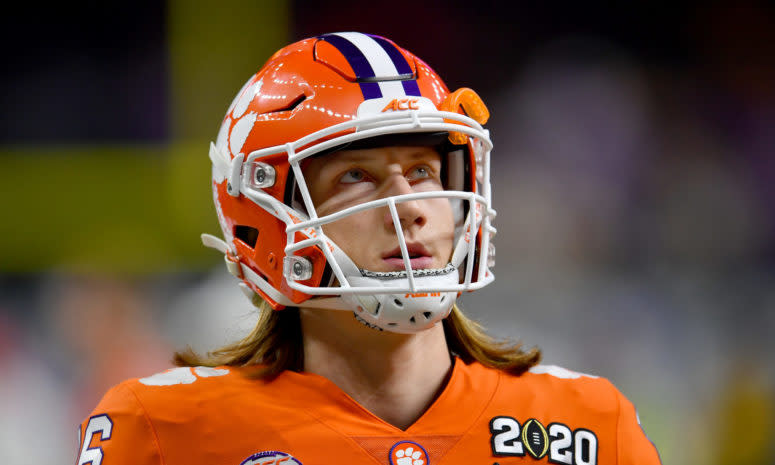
<point x="380" y="68"/>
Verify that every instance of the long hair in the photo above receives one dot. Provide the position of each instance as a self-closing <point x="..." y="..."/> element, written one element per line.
<point x="275" y="345"/>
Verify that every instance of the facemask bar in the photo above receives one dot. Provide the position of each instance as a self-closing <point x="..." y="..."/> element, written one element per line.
<point x="465" y="244"/>
<point x="389" y="123"/>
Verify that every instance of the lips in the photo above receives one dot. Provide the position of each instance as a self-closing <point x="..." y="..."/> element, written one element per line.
<point x="419" y="257"/>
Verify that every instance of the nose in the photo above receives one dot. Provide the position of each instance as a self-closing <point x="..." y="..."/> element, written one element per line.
<point x="409" y="213"/>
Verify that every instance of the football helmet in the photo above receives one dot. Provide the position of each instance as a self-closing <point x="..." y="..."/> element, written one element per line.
<point x="320" y="95"/>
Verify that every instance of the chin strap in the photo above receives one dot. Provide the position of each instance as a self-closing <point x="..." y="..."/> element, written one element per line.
<point x="401" y="312"/>
<point x="242" y="272"/>
<point x="245" y="273"/>
<point x="350" y="271"/>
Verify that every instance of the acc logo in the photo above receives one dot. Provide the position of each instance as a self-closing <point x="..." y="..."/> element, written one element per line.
<point x="559" y="442"/>
<point x="402" y="104"/>
<point x="270" y="457"/>
<point x="408" y="453"/>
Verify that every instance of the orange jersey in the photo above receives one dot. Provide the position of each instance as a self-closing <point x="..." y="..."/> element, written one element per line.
<point x="209" y="416"/>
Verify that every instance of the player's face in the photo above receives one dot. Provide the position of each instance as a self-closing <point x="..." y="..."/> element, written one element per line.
<point x="351" y="177"/>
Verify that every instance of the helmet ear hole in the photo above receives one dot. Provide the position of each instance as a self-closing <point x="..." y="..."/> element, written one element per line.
<point x="247" y="234"/>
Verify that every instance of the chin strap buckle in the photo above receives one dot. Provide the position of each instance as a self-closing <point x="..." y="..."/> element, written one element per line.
<point x="233" y="265"/>
<point x="230" y="257"/>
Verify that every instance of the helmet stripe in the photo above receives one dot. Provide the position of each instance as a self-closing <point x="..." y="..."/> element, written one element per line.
<point x="402" y="66"/>
<point x="380" y="67"/>
<point x="385" y="71"/>
<point x="380" y="64"/>
<point x="359" y="63"/>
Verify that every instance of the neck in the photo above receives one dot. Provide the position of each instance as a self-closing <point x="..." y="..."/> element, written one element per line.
<point x="394" y="376"/>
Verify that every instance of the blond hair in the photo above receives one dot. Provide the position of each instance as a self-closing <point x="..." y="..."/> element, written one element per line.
<point x="275" y="345"/>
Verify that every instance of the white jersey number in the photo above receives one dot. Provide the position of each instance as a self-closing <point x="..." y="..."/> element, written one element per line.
<point x="505" y="437"/>
<point x="101" y="424"/>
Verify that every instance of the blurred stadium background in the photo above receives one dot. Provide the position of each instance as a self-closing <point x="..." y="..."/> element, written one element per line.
<point x="634" y="180"/>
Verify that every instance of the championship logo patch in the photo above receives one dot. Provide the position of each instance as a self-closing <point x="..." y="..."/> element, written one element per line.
<point x="408" y="453"/>
<point x="270" y="457"/>
<point x="534" y="438"/>
<point x="555" y="441"/>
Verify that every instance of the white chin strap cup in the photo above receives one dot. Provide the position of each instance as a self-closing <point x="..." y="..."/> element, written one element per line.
<point x="405" y="312"/>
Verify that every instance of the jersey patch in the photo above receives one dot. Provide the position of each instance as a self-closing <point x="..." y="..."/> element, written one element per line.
<point x="408" y="453"/>
<point x="535" y="439"/>
<point x="558" y="442"/>
<point x="270" y="457"/>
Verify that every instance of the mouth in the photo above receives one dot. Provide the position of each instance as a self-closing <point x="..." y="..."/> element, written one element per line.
<point x="419" y="258"/>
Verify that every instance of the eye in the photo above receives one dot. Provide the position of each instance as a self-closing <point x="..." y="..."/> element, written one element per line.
<point x="419" y="172"/>
<point x="352" y="176"/>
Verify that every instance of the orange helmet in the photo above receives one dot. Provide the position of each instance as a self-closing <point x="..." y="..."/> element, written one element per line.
<point x="316" y="96"/>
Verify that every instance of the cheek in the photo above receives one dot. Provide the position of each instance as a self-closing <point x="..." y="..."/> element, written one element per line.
<point x="442" y="221"/>
<point x="353" y="233"/>
<point x="442" y="216"/>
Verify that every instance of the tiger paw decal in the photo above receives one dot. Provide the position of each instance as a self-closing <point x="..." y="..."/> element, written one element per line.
<point x="408" y="453"/>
